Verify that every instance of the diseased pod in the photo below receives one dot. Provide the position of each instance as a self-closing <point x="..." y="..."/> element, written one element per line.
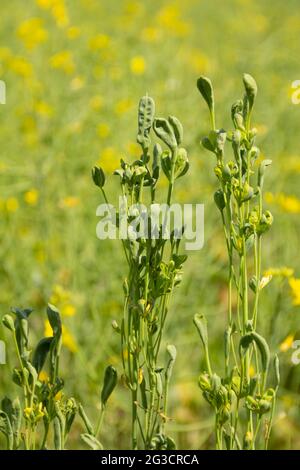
<point x="243" y="400"/>
<point x="154" y="270"/>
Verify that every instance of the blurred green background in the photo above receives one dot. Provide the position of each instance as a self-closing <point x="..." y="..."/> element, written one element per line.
<point x="74" y="72"/>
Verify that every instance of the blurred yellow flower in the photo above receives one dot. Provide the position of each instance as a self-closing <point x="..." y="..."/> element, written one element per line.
<point x="12" y="204"/>
<point x="32" y="32"/>
<point x="103" y="130"/>
<point x="43" y="109"/>
<point x="101" y="41"/>
<point x="69" y="202"/>
<point x="20" y="66"/>
<point x="295" y="290"/>
<point x="73" y="32"/>
<point x="169" y="17"/>
<point x="287" y="203"/>
<point x="63" y="61"/>
<point x="287" y="343"/>
<point x="109" y="159"/>
<point x="31" y="197"/>
<point x="137" y="65"/>
<point x="151" y="34"/>
<point x="96" y="102"/>
<point x="133" y="149"/>
<point x="279" y="272"/>
<point x="123" y="106"/>
<point x="68" y="310"/>
<point x="77" y="83"/>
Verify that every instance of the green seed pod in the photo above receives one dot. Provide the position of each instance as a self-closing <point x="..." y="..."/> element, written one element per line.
<point x="164" y="131"/>
<point x="200" y="323"/>
<point x="85" y="419"/>
<point x="98" y="176"/>
<point x="253" y="284"/>
<point x="264" y="406"/>
<point x="251" y="403"/>
<point x="146" y="113"/>
<point x="219" y="199"/>
<point x="54" y="320"/>
<point x="177" y="129"/>
<point x="91" y="441"/>
<point x="277" y="371"/>
<point x="109" y="383"/>
<point x="261" y="172"/>
<point x="251" y="89"/>
<point x="8" y="322"/>
<point x="171" y="352"/>
<point x="206" y="143"/>
<point x="248" y="439"/>
<point x="205" y="87"/>
<point x="204" y="382"/>
<point x="263" y="349"/>
<point x="40" y="354"/>
<point x="57" y="434"/>
<point x="182" y="163"/>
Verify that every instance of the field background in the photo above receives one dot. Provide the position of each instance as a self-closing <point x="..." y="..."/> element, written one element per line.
<point x="74" y="72"/>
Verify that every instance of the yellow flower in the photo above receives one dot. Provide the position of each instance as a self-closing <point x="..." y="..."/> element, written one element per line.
<point x="77" y="83"/>
<point x="31" y="197"/>
<point x="69" y="202"/>
<point x="68" y="310"/>
<point x="43" y="109"/>
<point x="32" y="33"/>
<point x="20" y="66"/>
<point x="12" y="204"/>
<point x="96" y="102"/>
<point x="151" y="34"/>
<point x="73" y="32"/>
<point x="109" y="159"/>
<point x="133" y="149"/>
<point x="169" y="17"/>
<point x="283" y="271"/>
<point x="287" y="343"/>
<point x="43" y="376"/>
<point x="123" y="106"/>
<point x="63" y="61"/>
<point x="137" y="65"/>
<point x="101" y="41"/>
<point x="287" y="203"/>
<point x="295" y="290"/>
<point x="251" y="371"/>
<point x="103" y="130"/>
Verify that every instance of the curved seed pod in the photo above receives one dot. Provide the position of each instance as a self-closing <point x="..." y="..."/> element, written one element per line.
<point x="6" y="428"/>
<point x="182" y="163"/>
<point x="164" y="131"/>
<point x="146" y="113"/>
<point x="109" y="383"/>
<point x="263" y="349"/>
<point x="200" y="323"/>
<point x="54" y="320"/>
<point x="251" y="89"/>
<point x="277" y="371"/>
<point x="8" y="322"/>
<point x="91" y="441"/>
<point x="98" y="176"/>
<point x="172" y="352"/>
<point x="85" y="419"/>
<point x="57" y="434"/>
<point x="177" y="128"/>
<point x="261" y="172"/>
<point x="40" y="353"/>
<point x="205" y="87"/>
